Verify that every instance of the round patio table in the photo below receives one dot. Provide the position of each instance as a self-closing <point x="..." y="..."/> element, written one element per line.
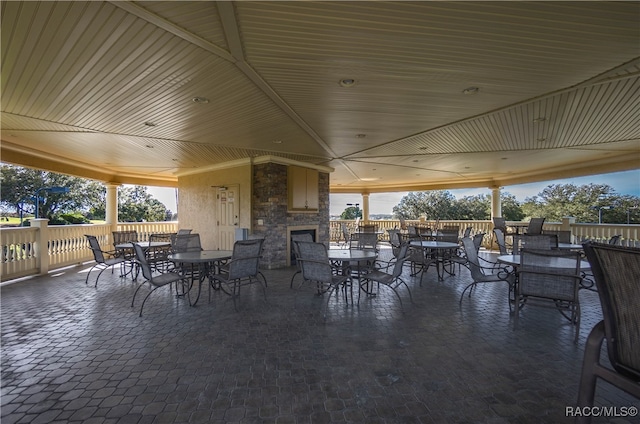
<point x="440" y="247"/>
<point x="569" y="246"/>
<point x="559" y="263"/>
<point x="205" y="260"/>
<point x="347" y="256"/>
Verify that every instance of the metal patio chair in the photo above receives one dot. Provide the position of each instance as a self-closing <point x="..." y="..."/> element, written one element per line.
<point x="295" y="238"/>
<point x="155" y="279"/>
<point x="242" y="270"/>
<point x="535" y="226"/>
<point x="479" y="275"/>
<point x="317" y="269"/>
<point x="103" y="259"/>
<point x="391" y="280"/>
<point x="540" y="283"/>
<point x="616" y="270"/>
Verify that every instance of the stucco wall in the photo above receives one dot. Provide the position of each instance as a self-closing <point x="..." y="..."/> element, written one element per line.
<point x="197" y="201"/>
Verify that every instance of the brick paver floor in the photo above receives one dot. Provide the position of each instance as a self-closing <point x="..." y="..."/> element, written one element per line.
<point x="72" y="353"/>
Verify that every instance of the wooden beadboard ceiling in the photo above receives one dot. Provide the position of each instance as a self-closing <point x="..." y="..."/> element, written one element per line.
<point x="559" y="86"/>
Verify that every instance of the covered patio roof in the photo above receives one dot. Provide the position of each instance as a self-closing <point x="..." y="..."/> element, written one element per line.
<point x="393" y="96"/>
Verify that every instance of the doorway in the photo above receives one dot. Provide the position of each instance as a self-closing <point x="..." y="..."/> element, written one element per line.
<point x="228" y="205"/>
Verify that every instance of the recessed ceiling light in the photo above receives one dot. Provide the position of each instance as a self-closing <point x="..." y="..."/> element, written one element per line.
<point x="150" y="124"/>
<point x="347" y="82"/>
<point x="539" y="120"/>
<point x="277" y="141"/>
<point x="470" y="90"/>
<point x="201" y="100"/>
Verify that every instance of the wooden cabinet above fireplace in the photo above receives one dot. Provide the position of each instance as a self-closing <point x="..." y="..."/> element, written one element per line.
<point x="302" y="184"/>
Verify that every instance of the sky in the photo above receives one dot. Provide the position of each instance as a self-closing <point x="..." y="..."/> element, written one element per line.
<point x="627" y="182"/>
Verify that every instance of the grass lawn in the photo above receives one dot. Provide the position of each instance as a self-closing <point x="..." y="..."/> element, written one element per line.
<point x="15" y="222"/>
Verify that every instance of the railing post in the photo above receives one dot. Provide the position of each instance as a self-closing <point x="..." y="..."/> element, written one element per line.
<point x="567" y="222"/>
<point x="42" y="244"/>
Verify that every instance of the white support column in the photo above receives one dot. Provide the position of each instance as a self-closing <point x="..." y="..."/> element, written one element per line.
<point x="111" y="209"/>
<point x="365" y="207"/>
<point x="42" y="244"/>
<point x="496" y="204"/>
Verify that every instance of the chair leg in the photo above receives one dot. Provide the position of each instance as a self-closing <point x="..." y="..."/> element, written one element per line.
<point x="292" y="278"/>
<point x="136" y="293"/>
<point x="470" y="288"/>
<point x="587" y="388"/>
<point x="145" y="299"/>
<point x="86" y="281"/>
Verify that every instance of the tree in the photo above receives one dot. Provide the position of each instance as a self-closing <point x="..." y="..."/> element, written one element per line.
<point x="511" y="208"/>
<point x="582" y="202"/>
<point x="351" y="212"/>
<point x="443" y="205"/>
<point x="136" y="205"/>
<point x="473" y="207"/>
<point x="18" y="186"/>
<point x="432" y="204"/>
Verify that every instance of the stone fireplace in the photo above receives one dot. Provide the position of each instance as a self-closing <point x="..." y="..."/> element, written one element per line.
<point x="272" y="218"/>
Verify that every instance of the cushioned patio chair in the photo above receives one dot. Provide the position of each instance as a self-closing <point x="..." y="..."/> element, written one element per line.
<point x="317" y="270"/>
<point x="156" y="279"/>
<point x="542" y="284"/>
<point x="104" y="259"/>
<point x="616" y="271"/>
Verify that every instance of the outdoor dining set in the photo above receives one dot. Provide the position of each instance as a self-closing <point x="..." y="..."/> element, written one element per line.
<point x="179" y="262"/>
<point x="537" y="268"/>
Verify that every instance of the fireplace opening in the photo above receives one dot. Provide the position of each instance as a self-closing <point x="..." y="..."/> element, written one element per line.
<point x="292" y="256"/>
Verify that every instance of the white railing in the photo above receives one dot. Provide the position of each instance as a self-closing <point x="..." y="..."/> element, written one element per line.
<point x="630" y="234"/>
<point x="65" y="245"/>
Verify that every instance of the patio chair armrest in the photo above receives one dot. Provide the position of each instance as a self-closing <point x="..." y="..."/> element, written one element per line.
<point x="333" y="267"/>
